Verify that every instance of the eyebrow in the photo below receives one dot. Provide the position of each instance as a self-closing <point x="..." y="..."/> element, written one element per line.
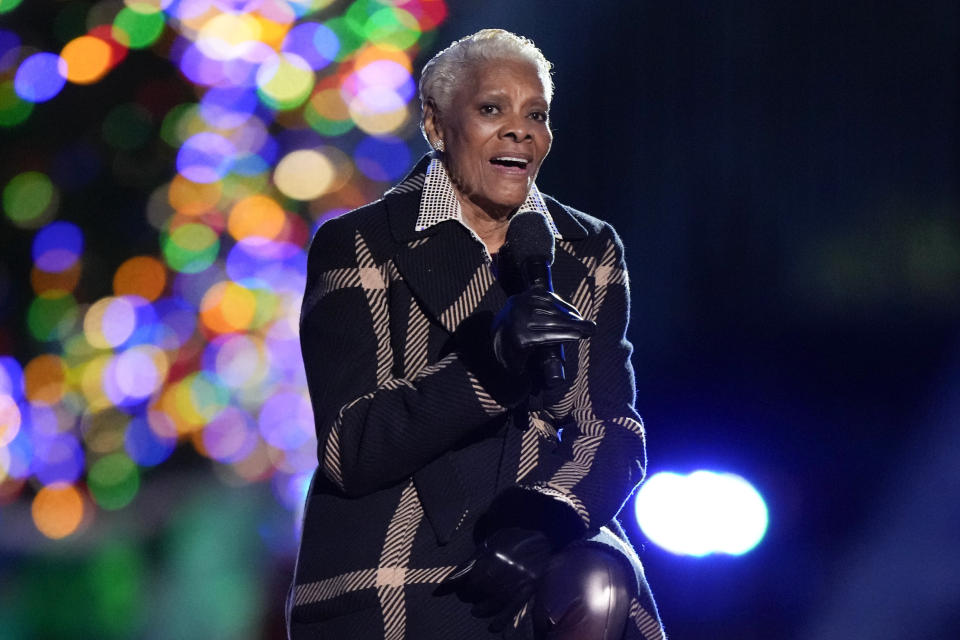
<point x="500" y="93"/>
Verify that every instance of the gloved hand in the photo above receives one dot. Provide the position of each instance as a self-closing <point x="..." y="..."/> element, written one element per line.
<point x="501" y="575"/>
<point x="533" y="318"/>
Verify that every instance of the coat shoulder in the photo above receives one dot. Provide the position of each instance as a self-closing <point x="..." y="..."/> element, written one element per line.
<point x="342" y="236"/>
<point x="595" y="229"/>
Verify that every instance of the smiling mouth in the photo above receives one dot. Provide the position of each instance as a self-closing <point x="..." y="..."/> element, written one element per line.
<point x="511" y="162"/>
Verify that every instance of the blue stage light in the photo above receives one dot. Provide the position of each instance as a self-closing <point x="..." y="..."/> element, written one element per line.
<point x="701" y="513"/>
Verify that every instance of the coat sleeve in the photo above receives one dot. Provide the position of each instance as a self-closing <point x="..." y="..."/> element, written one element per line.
<point x="374" y="429"/>
<point x="601" y="457"/>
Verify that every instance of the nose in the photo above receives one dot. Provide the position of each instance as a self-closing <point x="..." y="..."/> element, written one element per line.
<point x="516" y="128"/>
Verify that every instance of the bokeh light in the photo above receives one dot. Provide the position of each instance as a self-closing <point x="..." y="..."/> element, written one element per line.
<point x="701" y="513"/>
<point x="57" y="510"/>
<point x="40" y="77"/>
<point x="57" y="247"/>
<point x="87" y="59"/>
<point x="143" y="276"/>
<point x="294" y="110"/>
<point x="29" y="199"/>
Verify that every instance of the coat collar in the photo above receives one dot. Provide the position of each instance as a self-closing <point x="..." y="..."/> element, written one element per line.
<point x="403" y="205"/>
<point x="445" y="265"/>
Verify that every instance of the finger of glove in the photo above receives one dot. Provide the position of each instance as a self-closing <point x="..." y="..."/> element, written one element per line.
<point x="505" y="618"/>
<point x="583" y="328"/>
<point x="550" y="336"/>
<point x="457" y="577"/>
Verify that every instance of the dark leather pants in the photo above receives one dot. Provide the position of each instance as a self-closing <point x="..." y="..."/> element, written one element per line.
<point x="584" y="594"/>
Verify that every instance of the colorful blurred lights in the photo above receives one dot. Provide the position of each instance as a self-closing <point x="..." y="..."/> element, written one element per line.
<point x="205" y="157"/>
<point x="87" y="59"/>
<point x="109" y="322"/>
<point x="304" y="175"/>
<point x="284" y="81"/>
<point x="40" y="77"/>
<point x="57" y="247"/>
<point x="57" y="510"/>
<point x="701" y="513"/>
<point x="10" y="419"/>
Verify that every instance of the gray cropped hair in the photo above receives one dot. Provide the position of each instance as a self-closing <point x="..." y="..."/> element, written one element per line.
<point x="443" y="73"/>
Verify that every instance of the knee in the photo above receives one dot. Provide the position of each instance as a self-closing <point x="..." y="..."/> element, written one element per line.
<point x="585" y="592"/>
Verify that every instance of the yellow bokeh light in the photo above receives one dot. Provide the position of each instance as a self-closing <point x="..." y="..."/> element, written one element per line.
<point x="272" y="32"/>
<point x="228" y="36"/>
<point x="44" y="379"/>
<point x="88" y="59"/>
<point x="378" y="111"/>
<point x="256" y="216"/>
<point x="146" y="7"/>
<point x="57" y="510"/>
<point x="285" y="81"/>
<point x="142" y="276"/>
<point x="104" y="431"/>
<point x="91" y="383"/>
<point x="109" y="322"/>
<point x="9" y="420"/>
<point x="228" y="307"/>
<point x="193" y="198"/>
<point x="304" y="174"/>
<point x="4" y="470"/>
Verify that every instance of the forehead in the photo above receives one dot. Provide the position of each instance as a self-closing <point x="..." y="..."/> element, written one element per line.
<point x="515" y="76"/>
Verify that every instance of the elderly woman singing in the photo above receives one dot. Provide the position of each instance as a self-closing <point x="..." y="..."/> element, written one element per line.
<point x="474" y="405"/>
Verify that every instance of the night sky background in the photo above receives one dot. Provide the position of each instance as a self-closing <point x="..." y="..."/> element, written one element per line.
<point x="784" y="177"/>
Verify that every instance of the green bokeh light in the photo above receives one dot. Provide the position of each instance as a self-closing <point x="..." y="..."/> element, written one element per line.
<point x="174" y="129"/>
<point x="350" y="36"/>
<point x="13" y="109"/>
<point x="114" y="481"/>
<point x="9" y="5"/>
<point x="208" y="394"/>
<point x="190" y="248"/>
<point x="326" y="126"/>
<point x="27" y="197"/>
<point x="52" y="316"/>
<point x="127" y="127"/>
<point x="138" y="29"/>
<point x="392" y="27"/>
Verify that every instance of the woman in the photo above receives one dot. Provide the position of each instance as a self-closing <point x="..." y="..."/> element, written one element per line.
<point x="447" y="504"/>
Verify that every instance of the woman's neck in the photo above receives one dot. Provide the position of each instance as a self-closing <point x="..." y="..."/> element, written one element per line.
<point x="491" y="227"/>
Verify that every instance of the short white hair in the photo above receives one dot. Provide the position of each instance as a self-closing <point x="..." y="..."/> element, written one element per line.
<point x="443" y="72"/>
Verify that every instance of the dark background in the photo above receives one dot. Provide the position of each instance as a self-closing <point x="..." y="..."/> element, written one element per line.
<point x="784" y="177"/>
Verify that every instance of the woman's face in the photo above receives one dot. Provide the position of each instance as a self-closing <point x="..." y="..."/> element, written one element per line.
<point x="496" y="134"/>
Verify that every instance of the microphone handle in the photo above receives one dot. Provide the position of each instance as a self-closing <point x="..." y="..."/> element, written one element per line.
<point x="547" y="359"/>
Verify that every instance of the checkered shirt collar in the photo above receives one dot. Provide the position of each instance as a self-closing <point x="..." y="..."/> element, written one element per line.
<point x="439" y="200"/>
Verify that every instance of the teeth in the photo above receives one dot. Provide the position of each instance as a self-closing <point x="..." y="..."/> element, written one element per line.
<point x="510" y="159"/>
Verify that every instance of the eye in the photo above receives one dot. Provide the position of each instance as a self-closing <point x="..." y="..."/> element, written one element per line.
<point x="489" y="109"/>
<point x="540" y="116"/>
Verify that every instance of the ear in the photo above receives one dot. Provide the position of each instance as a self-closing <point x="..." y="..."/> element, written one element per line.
<point x="431" y="122"/>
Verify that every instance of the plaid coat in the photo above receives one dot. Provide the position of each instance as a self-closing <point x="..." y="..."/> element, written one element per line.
<point x="418" y="436"/>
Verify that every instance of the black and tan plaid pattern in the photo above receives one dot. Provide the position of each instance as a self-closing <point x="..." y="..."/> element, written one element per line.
<point x="415" y="440"/>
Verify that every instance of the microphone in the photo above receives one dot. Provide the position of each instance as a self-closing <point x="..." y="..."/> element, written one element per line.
<point x="531" y="241"/>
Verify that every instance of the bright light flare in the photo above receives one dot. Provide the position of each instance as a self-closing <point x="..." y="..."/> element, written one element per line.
<point x="701" y="513"/>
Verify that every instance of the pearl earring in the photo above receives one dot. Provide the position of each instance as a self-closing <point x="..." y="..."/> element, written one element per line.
<point x="438" y="145"/>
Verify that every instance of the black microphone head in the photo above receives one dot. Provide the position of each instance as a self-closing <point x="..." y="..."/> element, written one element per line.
<point x="529" y="236"/>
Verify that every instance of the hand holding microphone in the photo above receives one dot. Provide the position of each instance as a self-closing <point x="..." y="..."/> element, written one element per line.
<point x="529" y="332"/>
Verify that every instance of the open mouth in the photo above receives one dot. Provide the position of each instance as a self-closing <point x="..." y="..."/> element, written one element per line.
<point x="512" y="162"/>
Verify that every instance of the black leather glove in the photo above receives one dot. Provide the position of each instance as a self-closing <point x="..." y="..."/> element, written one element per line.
<point x="501" y="575"/>
<point x="533" y="318"/>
